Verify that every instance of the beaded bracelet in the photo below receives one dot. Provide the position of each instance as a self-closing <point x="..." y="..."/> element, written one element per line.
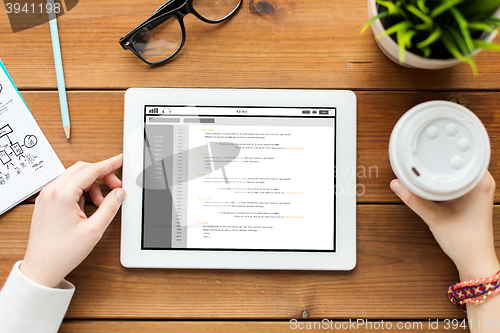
<point x="483" y="298"/>
<point x="474" y="291"/>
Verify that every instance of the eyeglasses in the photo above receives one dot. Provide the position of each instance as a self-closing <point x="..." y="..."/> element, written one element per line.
<point x="162" y="36"/>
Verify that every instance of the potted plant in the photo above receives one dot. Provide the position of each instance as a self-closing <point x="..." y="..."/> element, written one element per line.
<point x="434" y="34"/>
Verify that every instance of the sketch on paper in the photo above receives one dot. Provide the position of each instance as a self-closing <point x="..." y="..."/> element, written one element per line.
<point x="16" y="155"/>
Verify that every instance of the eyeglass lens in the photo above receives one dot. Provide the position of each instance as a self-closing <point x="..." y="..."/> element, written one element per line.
<point x="214" y="10"/>
<point x="161" y="38"/>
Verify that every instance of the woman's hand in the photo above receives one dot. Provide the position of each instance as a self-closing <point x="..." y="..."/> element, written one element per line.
<point x="62" y="236"/>
<point x="463" y="227"/>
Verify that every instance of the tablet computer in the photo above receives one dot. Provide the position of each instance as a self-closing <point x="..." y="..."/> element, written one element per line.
<point x="239" y="179"/>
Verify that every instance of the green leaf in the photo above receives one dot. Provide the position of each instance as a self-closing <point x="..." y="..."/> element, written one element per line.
<point x="459" y="40"/>
<point x="394" y="29"/>
<point x="392" y="8"/>
<point x="421" y="27"/>
<point x="422" y="7"/>
<point x="444" y="7"/>
<point x="481" y="44"/>
<point x="407" y="36"/>
<point x="401" y="45"/>
<point x="434" y="36"/>
<point x="480" y="26"/>
<point x="473" y="66"/>
<point x="462" y="23"/>
<point x="479" y="10"/>
<point x="427" y="51"/>
<point x="452" y="48"/>
<point x="373" y="19"/>
<point x="493" y="21"/>
<point x="429" y="23"/>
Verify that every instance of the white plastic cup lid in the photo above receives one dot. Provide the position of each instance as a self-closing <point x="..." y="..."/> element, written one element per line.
<point x="439" y="150"/>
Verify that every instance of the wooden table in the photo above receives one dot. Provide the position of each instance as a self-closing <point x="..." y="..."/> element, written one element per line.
<point x="401" y="275"/>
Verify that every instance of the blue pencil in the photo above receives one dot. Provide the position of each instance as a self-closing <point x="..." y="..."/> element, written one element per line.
<point x="63" y="101"/>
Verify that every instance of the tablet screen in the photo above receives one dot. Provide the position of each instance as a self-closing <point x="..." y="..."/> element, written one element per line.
<point x="227" y="178"/>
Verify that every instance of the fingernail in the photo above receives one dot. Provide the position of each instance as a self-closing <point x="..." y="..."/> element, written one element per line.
<point x="395" y="186"/>
<point x="121" y="194"/>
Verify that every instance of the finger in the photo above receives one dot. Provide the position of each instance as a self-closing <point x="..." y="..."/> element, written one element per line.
<point x="483" y="192"/>
<point x="85" y="177"/>
<point x="424" y="208"/>
<point x="112" y="181"/>
<point x="486" y="185"/>
<point x="81" y="203"/>
<point x="493" y="185"/>
<point x="96" y="194"/>
<point x="72" y="170"/>
<point x="108" y="209"/>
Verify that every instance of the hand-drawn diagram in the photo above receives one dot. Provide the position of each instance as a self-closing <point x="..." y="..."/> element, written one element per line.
<point x="14" y="156"/>
<point x="4" y="106"/>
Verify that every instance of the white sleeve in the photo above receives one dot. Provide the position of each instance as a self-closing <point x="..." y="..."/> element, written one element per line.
<point x="26" y="306"/>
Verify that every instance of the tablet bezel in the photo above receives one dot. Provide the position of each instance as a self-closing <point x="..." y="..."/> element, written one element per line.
<point x="131" y="254"/>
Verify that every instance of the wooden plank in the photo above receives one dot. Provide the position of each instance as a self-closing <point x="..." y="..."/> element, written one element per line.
<point x="70" y="326"/>
<point x="96" y="124"/>
<point x="401" y="273"/>
<point x="97" y="127"/>
<point x="299" y="44"/>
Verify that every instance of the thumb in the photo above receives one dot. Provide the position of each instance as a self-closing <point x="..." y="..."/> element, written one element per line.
<point x="424" y="208"/>
<point x="108" y="208"/>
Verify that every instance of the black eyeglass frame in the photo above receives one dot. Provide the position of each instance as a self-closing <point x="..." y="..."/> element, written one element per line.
<point x="164" y="13"/>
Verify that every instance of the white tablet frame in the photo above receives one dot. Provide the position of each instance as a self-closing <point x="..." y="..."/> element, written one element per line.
<point x="133" y="135"/>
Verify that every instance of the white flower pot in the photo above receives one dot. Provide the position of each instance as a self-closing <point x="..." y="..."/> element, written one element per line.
<point x="391" y="49"/>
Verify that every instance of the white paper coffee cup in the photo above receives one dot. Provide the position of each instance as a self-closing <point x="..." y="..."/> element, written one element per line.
<point x="439" y="150"/>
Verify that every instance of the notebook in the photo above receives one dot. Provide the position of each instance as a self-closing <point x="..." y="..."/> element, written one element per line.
<point x="27" y="161"/>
